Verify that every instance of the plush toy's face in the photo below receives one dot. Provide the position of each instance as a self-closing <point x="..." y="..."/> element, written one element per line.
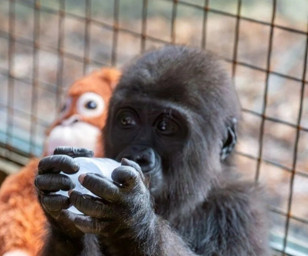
<point x="84" y="113"/>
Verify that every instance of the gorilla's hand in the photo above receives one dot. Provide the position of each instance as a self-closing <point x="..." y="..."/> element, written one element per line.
<point x="49" y="180"/>
<point x="121" y="210"/>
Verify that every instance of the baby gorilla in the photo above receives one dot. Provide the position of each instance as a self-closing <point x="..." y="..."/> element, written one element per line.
<point x="172" y="120"/>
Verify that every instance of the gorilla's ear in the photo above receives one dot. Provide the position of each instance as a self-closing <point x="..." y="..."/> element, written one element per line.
<point x="230" y="140"/>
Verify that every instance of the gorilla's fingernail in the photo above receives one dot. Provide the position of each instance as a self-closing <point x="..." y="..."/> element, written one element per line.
<point x="76" y="167"/>
<point x="70" y="192"/>
<point x="81" y="178"/>
<point x="124" y="161"/>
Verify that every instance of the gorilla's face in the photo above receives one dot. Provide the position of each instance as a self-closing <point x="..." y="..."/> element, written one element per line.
<point x="150" y="133"/>
<point x="172" y="113"/>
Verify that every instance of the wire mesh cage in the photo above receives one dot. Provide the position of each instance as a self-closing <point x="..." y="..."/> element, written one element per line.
<point x="46" y="45"/>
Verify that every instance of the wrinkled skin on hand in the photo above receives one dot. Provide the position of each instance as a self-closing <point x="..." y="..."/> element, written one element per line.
<point x="121" y="209"/>
<point x="50" y="180"/>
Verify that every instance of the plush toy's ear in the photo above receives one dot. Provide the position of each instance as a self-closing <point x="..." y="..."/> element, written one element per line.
<point x="111" y="76"/>
<point x="230" y="140"/>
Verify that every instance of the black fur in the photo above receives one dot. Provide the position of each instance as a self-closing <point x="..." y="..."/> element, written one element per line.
<point x="174" y="112"/>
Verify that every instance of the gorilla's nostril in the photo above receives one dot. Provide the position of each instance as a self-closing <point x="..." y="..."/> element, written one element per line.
<point x="143" y="161"/>
<point x="146" y="163"/>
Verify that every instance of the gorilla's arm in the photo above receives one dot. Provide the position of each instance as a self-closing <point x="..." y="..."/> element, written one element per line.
<point x="59" y="243"/>
<point x="63" y="238"/>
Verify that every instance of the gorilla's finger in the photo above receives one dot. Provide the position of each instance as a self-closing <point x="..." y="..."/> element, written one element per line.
<point x="90" y="206"/>
<point x="128" y="176"/>
<point x="73" y="152"/>
<point x="127" y="162"/>
<point x="56" y="164"/>
<point x="55" y="203"/>
<point x="100" y="186"/>
<point x="53" y="182"/>
<point x="90" y="225"/>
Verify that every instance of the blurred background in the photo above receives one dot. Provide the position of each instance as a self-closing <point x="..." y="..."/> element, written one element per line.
<point x="46" y="45"/>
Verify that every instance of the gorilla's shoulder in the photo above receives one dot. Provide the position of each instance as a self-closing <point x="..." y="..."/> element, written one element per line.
<point x="237" y="193"/>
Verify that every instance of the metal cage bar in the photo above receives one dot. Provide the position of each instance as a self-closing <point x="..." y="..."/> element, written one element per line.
<point x="268" y="67"/>
<point x="11" y="153"/>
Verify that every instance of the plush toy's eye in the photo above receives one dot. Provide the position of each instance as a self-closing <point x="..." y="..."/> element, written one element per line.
<point x="90" y="104"/>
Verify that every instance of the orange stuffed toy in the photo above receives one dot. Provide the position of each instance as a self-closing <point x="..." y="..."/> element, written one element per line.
<point x="80" y="125"/>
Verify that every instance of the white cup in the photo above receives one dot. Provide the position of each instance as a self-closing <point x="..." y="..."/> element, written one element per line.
<point x="102" y="166"/>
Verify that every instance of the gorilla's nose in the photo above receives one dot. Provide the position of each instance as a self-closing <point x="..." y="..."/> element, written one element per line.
<point x="143" y="156"/>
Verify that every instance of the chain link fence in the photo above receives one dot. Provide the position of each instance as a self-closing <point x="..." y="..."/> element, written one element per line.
<point x="46" y="45"/>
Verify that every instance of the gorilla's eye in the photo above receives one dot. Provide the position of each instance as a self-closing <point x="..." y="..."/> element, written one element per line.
<point x="162" y="126"/>
<point x="91" y="104"/>
<point x="127" y="119"/>
<point x="167" y="126"/>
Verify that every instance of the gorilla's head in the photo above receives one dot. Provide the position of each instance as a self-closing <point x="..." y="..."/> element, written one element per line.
<point x="174" y="112"/>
